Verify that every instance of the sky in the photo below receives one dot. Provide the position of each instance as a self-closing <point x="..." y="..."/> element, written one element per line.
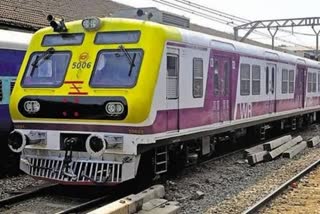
<point x="251" y="10"/>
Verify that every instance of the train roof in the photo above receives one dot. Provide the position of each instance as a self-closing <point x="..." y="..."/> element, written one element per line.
<point x="243" y="48"/>
<point x="14" y="40"/>
<point x="206" y="40"/>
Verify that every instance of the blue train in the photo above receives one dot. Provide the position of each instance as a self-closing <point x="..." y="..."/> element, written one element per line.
<point x="13" y="46"/>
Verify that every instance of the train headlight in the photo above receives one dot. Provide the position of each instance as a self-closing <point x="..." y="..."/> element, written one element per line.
<point x="96" y="145"/>
<point x="91" y="23"/>
<point x="114" y="108"/>
<point x="17" y="141"/>
<point x="31" y="106"/>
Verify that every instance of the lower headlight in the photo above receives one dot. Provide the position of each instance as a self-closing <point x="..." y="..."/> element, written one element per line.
<point x="31" y="106"/>
<point x="114" y="108"/>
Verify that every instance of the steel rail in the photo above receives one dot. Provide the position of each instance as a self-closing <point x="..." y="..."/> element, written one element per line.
<point x="219" y="157"/>
<point x="26" y="195"/>
<point x="87" y="205"/>
<point x="275" y="193"/>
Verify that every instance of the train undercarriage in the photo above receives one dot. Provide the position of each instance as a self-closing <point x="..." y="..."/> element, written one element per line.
<point x="175" y="156"/>
<point x="72" y="164"/>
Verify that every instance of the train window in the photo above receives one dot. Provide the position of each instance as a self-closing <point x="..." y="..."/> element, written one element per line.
<point x="314" y="82"/>
<point x="197" y="77"/>
<point x="318" y="82"/>
<point x="1" y="91"/>
<point x="116" y="68"/>
<point x="63" y="39"/>
<point x="291" y="81"/>
<point x="46" y="70"/>
<point x="120" y="37"/>
<point x="309" y="82"/>
<point x="216" y="86"/>
<point x="285" y="80"/>
<point x="172" y="76"/>
<point x="12" y="83"/>
<point x="226" y="77"/>
<point x="272" y="80"/>
<point x="244" y="79"/>
<point x="267" y="80"/>
<point x="256" y="76"/>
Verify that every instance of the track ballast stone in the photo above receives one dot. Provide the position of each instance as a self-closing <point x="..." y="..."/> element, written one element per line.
<point x="230" y="185"/>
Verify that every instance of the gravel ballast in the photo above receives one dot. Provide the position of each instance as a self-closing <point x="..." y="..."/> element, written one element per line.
<point x="230" y="185"/>
<point x="14" y="184"/>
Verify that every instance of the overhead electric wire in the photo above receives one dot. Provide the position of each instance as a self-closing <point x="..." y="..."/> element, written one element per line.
<point x="210" y="17"/>
<point x="163" y="2"/>
<point x="230" y="16"/>
<point x="211" y="10"/>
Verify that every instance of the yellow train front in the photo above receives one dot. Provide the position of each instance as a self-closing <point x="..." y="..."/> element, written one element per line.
<point x="83" y="99"/>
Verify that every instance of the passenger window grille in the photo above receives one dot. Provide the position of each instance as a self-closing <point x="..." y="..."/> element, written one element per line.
<point x="256" y="76"/>
<point x="172" y="77"/>
<point x="1" y="91"/>
<point x="197" y="77"/>
<point x="12" y="85"/>
<point x="244" y="79"/>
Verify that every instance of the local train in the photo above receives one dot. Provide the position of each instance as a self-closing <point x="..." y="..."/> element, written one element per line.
<point x="13" y="46"/>
<point x="104" y="100"/>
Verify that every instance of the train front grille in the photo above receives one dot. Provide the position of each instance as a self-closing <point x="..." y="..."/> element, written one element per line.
<point x="76" y="171"/>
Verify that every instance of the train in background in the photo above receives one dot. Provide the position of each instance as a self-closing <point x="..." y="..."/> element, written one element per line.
<point x="101" y="101"/>
<point x="13" y="46"/>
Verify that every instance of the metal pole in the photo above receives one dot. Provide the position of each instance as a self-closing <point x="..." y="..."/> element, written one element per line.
<point x="235" y="34"/>
<point x="317" y="45"/>
<point x="272" y="36"/>
<point x="317" y="42"/>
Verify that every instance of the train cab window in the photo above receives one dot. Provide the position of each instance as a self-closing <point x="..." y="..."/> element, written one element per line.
<point x="172" y="76"/>
<point x="284" y="82"/>
<point x="291" y="81"/>
<point x="216" y="85"/>
<point x="46" y="69"/>
<point x="116" y="68"/>
<point x="244" y="79"/>
<point x="63" y="39"/>
<point x="121" y="37"/>
<point x="197" y="78"/>
<point x="256" y="76"/>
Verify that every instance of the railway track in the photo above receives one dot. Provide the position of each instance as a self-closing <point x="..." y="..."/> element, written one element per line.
<point x="55" y="199"/>
<point x="273" y="195"/>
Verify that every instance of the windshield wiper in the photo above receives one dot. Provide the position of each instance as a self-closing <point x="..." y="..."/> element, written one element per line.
<point x="130" y="60"/>
<point x="46" y="55"/>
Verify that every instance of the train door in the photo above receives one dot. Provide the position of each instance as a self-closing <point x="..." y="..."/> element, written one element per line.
<point x="271" y="87"/>
<point x="221" y="87"/>
<point x="172" y="89"/>
<point x="300" y="84"/>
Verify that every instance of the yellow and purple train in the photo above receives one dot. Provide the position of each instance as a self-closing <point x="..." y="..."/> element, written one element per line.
<point x="100" y="100"/>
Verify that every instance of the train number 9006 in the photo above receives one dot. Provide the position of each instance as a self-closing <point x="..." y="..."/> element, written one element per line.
<point x="80" y="65"/>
